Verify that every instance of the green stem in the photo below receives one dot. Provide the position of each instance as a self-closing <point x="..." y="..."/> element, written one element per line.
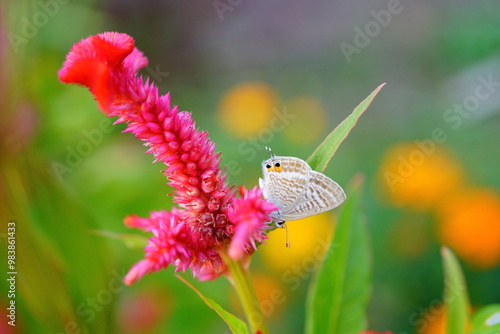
<point x="242" y="283"/>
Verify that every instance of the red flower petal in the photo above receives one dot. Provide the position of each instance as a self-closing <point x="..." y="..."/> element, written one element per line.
<point x="94" y="63"/>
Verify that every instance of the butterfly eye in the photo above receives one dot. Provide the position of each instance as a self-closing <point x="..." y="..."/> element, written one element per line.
<point x="268" y="166"/>
<point x="277" y="164"/>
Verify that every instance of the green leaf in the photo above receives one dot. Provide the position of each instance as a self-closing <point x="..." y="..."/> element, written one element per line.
<point x="338" y="297"/>
<point x="455" y="294"/>
<point x="236" y="325"/>
<point x="132" y="241"/>
<point x="320" y="158"/>
<point x="486" y="320"/>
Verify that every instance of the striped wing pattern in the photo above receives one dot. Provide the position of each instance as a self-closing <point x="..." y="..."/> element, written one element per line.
<point x="297" y="190"/>
<point x="285" y="187"/>
<point x="321" y="194"/>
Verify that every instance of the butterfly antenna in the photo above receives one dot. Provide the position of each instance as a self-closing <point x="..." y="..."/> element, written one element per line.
<point x="271" y="154"/>
<point x="287" y="238"/>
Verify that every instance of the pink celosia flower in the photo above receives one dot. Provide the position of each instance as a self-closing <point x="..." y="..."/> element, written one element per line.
<point x="250" y="215"/>
<point x="211" y="218"/>
<point x="170" y="243"/>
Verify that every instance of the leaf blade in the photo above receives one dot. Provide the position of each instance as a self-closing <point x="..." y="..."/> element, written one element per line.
<point x="320" y="158"/>
<point x="236" y="325"/>
<point x="132" y="241"/>
<point x="455" y="294"/>
<point x="486" y="320"/>
<point x="338" y="296"/>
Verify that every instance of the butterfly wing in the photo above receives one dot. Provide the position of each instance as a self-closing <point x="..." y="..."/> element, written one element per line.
<point x="320" y="195"/>
<point x="284" y="186"/>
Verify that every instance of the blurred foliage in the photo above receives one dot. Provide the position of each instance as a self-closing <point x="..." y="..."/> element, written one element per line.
<point x="66" y="172"/>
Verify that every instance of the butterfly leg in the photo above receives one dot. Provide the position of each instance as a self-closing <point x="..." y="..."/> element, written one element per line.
<point x="281" y="224"/>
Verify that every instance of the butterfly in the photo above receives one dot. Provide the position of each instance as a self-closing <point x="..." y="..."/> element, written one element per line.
<point x="297" y="190"/>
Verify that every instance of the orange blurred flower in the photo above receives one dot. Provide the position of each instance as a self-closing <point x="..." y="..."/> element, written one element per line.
<point x="469" y="222"/>
<point x="433" y="321"/>
<point x="247" y="108"/>
<point x="418" y="174"/>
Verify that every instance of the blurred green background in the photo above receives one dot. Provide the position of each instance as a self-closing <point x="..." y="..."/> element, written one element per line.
<point x="268" y="73"/>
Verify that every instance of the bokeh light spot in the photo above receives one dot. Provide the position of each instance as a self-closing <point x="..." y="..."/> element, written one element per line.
<point x="309" y="240"/>
<point x="416" y="177"/>
<point x="469" y="222"/>
<point x="247" y="108"/>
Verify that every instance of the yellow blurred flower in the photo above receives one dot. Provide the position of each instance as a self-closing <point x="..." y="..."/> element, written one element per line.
<point x="309" y="240"/>
<point x="469" y="222"/>
<point x="247" y="108"/>
<point x="272" y="295"/>
<point x="309" y="120"/>
<point x="418" y="174"/>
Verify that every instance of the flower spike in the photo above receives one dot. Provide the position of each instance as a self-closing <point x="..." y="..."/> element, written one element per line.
<point x="210" y="217"/>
